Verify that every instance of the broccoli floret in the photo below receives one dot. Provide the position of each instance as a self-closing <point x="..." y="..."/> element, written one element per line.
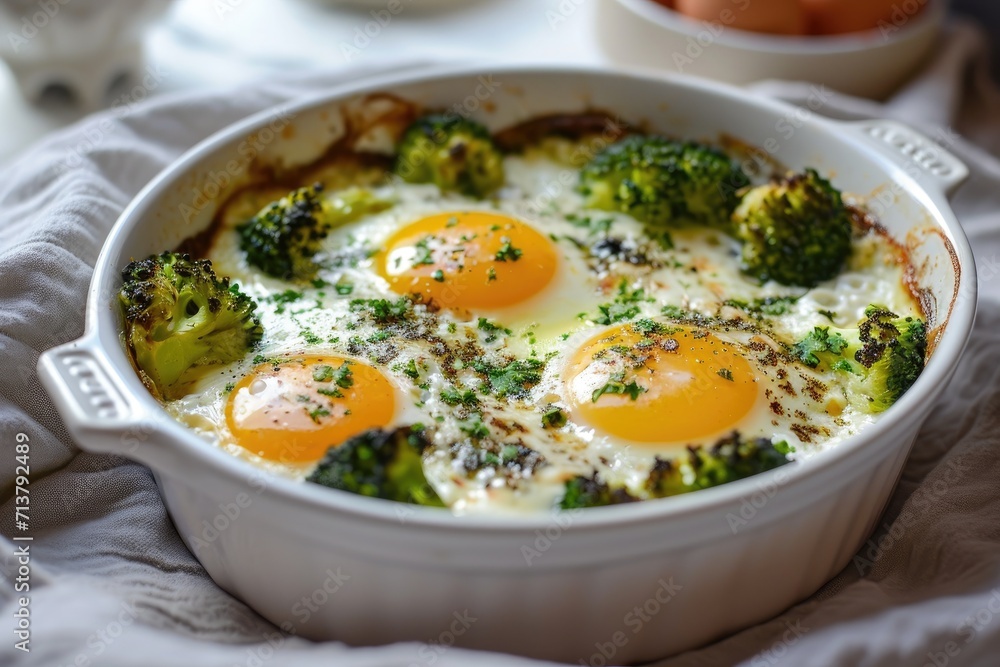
<point x="591" y="491"/>
<point x="663" y="182"/>
<point x="796" y="230"/>
<point x="380" y="464"/>
<point x="179" y="315"/>
<point x="451" y="152"/>
<point x="883" y="357"/>
<point x="728" y="460"/>
<point x="284" y="238"/>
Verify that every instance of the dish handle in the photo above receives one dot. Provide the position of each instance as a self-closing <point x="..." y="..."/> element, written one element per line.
<point x="102" y="415"/>
<point x="919" y="156"/>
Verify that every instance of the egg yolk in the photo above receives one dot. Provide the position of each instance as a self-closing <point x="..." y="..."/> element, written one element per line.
<point x="660" y="384"/>
<point x="470" y="259"/>
<point x="293" y="411"/>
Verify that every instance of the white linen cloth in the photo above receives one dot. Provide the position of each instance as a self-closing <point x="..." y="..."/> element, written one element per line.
<point x="113" y="585"/>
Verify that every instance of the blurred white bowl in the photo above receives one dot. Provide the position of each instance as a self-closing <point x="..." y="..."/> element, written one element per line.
<point x="384" y="4"/>
<point x="642" y="33"/>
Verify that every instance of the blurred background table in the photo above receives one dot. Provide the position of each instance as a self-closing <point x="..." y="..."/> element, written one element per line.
<point x="211" y="43"/>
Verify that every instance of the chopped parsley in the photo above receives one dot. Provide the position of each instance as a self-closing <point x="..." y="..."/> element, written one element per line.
<point x="332" y="393"/>
<point x="726" y="374"/>
<point x="594" y="225"/>
<point x="818" y="341"/>
<point x="771" y="305"/>
<point x="282" y="299"/>
<point x="648" y="327"/>
<point x="323" y="373"/>
<point x="507" y="252"/>
<point x="455" y="396"/>
<point x="492" y="330"/>
<point x="510" y="452"/>
<point x="624" y="307"/>
<point x="424" y="254"/>
<point x="409" y="369"/>
<point x="383" y="311"/>
<point x="554" y="417"/>
<point x="474" y="427"/>
<point x="676" y="313"/>
<point x="783" y="447"/>
<point x="288" y="296"/>
<point x="316" y="413"/>
<point x="616" y="385"/>
<point x="438" y="276"/>
<point x="341" y="376"/>
<point x="513" y="379"/>
<point x="609" y="313"/>
<point x="344" y="289"/>
<point x="844" y="366"/>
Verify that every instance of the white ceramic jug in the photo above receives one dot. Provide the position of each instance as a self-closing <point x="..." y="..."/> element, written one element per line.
<point x="81" y="47"/>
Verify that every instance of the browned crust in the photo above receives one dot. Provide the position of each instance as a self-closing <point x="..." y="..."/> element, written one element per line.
<point x="940" y="324"/>
<point x="748" y="154"/>
<point x="397" y="117"/>
<point x="575" y="127"/>
<point x="922" y="296"/>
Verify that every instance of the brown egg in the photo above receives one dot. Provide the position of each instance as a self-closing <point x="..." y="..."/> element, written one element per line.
<point x="779" y="17"/>
<point x="833" y="17"/>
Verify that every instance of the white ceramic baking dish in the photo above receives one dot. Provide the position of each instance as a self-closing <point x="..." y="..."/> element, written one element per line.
<point x="618" y="584"/>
